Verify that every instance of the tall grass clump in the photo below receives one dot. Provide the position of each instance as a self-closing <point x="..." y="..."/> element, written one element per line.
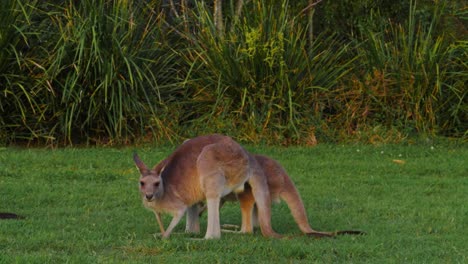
<point x="84" y="71"/>
<point x="259" y="78"/>
<point x="415" y="79"/>
<point x="17" y="99"/>
<point x="109" y="69"/>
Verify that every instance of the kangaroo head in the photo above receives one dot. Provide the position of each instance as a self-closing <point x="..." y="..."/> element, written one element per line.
<point x="151" y="184"/>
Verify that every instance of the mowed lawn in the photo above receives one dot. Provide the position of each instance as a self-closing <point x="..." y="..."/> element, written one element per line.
<point x="81" y="205"/>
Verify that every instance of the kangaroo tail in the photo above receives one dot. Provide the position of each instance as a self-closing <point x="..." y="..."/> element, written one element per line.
<point x="350" y="232"/>
<point x="292" y="198"/>
<point x="318" y="234"/>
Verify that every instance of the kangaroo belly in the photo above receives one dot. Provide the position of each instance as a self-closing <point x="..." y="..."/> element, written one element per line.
<point x="238" y="188"/>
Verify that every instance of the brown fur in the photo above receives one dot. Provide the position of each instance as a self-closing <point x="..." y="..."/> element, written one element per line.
<point x="204" y="168"/>
<point x="280" y="186"/>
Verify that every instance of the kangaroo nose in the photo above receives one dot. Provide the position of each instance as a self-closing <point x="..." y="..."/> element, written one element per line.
<point x="149" y="196"/>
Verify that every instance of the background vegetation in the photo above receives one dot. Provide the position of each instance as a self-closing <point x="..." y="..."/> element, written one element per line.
<point x="84" y="207"/>
<point x="114" y="72"/>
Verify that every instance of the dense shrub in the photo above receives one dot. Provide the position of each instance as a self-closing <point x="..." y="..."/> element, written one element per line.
<point x="115" y="71"/>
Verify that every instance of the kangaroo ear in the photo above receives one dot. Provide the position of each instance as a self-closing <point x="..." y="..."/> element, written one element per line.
<point x="140" y="165"/>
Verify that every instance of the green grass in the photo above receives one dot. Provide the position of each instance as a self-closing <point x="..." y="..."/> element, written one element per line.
<point x="83" y="206"/>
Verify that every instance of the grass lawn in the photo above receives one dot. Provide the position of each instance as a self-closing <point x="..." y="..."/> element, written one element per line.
<point x="83" y="206"/>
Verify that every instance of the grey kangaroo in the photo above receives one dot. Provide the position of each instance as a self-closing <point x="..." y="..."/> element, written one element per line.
<point x="204" y="168"/>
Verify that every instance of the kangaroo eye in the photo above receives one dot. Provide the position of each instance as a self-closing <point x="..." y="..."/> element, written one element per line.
<point x="156" y="184"/>
<point x="142" y="183"/>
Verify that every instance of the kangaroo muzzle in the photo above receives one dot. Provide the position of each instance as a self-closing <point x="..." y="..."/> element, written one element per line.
<point x="149" y="197"/>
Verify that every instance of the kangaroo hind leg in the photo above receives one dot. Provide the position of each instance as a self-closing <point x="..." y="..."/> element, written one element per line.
<point x="261" y="194"/>
<point x="214" y="229"/>
<point x="213" y="181"/>
<point x="193" y="219"/>
<point x="247" y="202"/>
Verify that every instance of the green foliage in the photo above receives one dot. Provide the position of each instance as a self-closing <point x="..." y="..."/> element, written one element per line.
<point x="261" y="77"/>
<point x="112" y="72"/>
<point x="84" y="207"/>
<point x="416" y="78"/>
<point x="108" y="69"/>
<point x="348" y="17"/>
<point x="17" y="100"/>
<point x="101" y="75"/>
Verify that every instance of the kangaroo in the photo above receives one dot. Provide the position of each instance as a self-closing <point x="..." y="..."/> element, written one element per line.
<point x="204" y="168"/>
<point x="280" y="186"/>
